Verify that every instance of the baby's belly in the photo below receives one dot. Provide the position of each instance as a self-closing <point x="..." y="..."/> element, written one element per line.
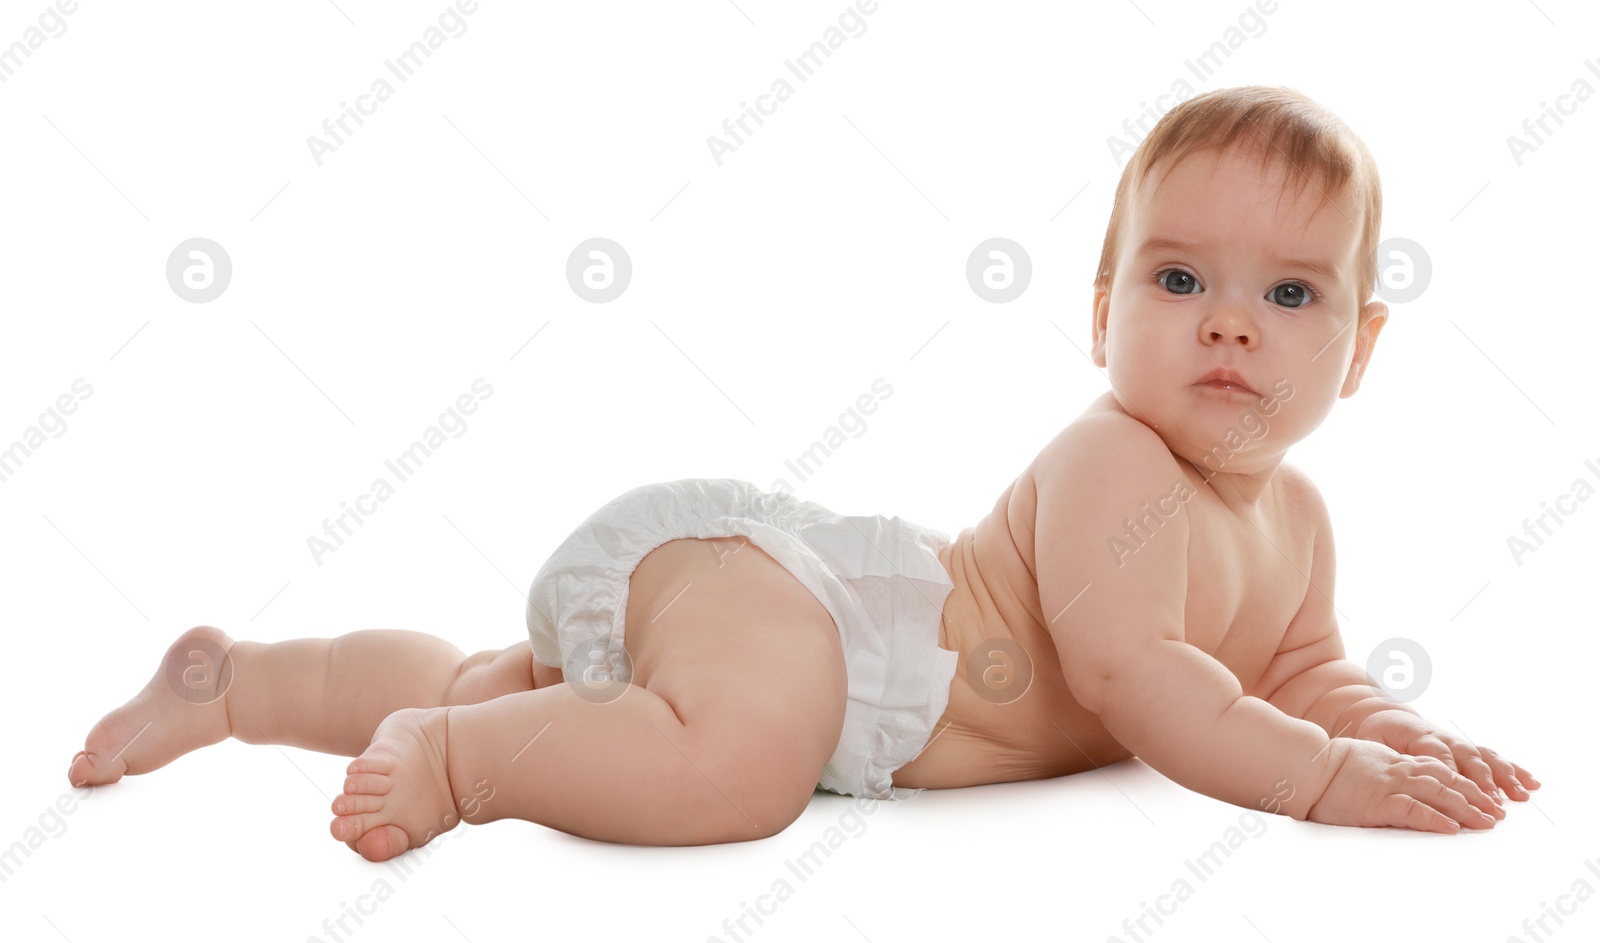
<point x="1010" y="716"/>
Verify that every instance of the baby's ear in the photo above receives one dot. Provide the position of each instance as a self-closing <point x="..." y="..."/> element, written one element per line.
<point x="1371" y="319"/>
<point x="1102" y="308"/>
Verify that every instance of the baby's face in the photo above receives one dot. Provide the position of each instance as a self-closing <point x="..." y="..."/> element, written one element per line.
<point x="1244" y="293"/>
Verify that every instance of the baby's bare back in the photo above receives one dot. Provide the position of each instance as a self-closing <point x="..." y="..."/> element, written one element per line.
<point x="1011" y="715"/>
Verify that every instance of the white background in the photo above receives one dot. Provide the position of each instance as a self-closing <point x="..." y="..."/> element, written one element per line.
<point x="768" y="293"/>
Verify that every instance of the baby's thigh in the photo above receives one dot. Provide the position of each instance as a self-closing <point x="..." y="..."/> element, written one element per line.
<point x="543" y="674"/>
<point x="743" y="652"/>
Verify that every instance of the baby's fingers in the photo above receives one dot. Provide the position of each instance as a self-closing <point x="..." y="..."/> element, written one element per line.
<point x="1435" y="747"/>
<point x="1477" y="769"/>
<point x="1509" y="776"/>
<point x="1403" y="811"/>
<point x="1460" y="801"/>
<point x="1471" y="793"/>
<point x="1454" y="795"/>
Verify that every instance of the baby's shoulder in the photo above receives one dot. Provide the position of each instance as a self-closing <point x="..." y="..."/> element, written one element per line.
<point x="1299" y="501"/>
<point x="1105" y="440"/>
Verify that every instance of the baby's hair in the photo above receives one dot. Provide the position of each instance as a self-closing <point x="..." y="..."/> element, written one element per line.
<point x="1282" y="128"/>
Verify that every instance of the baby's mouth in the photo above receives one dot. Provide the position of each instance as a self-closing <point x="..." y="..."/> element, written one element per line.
<point x="1225" y="379"/>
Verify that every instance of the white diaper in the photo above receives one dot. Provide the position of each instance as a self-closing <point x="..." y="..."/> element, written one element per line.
<point x="879" y="577"/>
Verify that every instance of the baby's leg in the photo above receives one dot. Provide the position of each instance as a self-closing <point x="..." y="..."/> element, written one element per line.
<point x="319" y="694"/>
<point x="737" y="703"/>
<point x="330" y="695"/>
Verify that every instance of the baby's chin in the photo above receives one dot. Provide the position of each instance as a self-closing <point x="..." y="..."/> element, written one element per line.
<point x="1251" y="446"/>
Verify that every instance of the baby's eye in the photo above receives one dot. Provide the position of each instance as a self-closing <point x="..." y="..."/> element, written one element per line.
<point x="1297" y="294"/>
<point x="1187" y="281"/>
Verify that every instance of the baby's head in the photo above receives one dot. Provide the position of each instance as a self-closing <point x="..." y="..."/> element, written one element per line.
<point x="1243" y="237"/>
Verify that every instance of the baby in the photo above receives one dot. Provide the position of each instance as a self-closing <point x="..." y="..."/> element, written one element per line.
<point x="704" y="655"/>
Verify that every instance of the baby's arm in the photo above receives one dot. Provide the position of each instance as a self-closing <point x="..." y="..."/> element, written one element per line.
<point x="1117" y="619"/>
<point x="1121" y="642"/>
<point x="1310" y="678"/>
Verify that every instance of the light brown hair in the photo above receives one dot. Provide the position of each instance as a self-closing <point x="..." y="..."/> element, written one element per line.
<point x="1283" y="128"/>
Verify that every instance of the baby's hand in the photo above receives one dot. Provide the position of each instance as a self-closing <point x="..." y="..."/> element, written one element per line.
<point x="1373" y="785"/>
<point x="1405" y="732"/>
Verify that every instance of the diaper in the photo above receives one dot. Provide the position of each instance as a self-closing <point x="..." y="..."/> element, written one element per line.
<point x="879" y="577"/>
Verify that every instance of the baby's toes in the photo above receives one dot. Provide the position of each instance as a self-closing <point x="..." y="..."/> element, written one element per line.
<point x="369" y="784"/>
<point x="382" y="843"/>
<point x="348" y="828"/>
<point x="95" y="769"/>
<point x="356" y="804"/>
<point x="80" y="769"/>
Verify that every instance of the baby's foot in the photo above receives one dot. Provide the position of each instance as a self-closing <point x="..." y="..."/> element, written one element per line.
<point x="397" y="795"/>
<point x="181" y="709"/>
